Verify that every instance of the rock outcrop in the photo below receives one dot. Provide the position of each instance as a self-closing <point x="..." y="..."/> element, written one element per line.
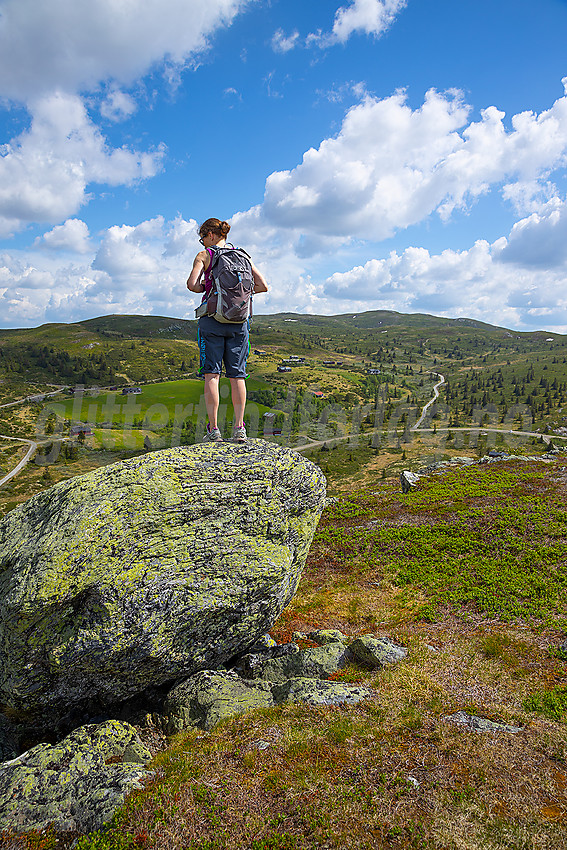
<point x="318" y="662"/>
<point x="376" y="652"/>
<point x="276" y="674"/>
<point x="148" y="571"/>
<point x="210" y="696"/>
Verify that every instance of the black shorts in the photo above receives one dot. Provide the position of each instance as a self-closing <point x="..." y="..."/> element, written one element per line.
<point x="219" y="342"/>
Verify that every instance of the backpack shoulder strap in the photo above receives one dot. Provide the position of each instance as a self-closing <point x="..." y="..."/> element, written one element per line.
<point x="215" y="254"/>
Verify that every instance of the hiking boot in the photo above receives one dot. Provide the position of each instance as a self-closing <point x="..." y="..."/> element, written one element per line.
<point x="239" y="434"/>
<point x="213" y="435"/>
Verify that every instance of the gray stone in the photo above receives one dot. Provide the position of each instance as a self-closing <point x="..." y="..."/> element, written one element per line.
<point x="210" y="696"/>
<point x="408" y="480"/>
<point x="325" y="636"/>
<point x="71" y="785"/>
<point x="148" y="570"/>
<point x="318" y="692"/>
<point x="319" y="662"/>
<point x="263" y="644"/>
<point x="249" y="665"/>
<point x="376" y="652"/>
<point x="480" y="724"/>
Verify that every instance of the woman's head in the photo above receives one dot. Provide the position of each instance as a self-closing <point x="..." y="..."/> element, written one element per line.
<point x="214" y="225"/>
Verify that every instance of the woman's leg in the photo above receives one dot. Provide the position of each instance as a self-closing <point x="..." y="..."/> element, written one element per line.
<point x="238" y="392"/>
<point x="212" y="397"/>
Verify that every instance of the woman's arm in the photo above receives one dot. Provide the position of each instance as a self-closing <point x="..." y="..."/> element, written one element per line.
<point x="193" y="281"/>
<point x="260" y="284"/>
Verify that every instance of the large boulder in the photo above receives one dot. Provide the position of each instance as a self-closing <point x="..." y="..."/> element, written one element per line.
<point x="147" y="571"/>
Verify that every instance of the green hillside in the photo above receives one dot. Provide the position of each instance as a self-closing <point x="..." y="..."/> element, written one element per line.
<point x="355" y="387"/>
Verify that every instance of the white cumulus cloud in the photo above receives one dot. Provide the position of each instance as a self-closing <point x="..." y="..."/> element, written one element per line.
<point x="126" y="252"/>
<point x="282" y="43"/>
<point x="52" y="52"/>
<point x="473" y="283"/>
<point x="73" y="45"/>
<point x="45" y="172"/>
<point x="391" y="166"/>
<point x="369" y="16"/>
<point x="372" y="17"/>
<point x="71" y="236"/>
<point x="118" y="105"/>
<point x="181" y="237"/>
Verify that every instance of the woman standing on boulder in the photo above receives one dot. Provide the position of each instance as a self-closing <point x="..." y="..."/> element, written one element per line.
<point x="220" y="341"/>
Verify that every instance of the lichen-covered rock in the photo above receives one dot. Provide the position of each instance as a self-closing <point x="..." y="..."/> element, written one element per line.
<point x="376" y="652"/>
<point x="148" y="570"/>
<point x="71" y="785"/>
<point x="324" y="636"/>
<point x="318" y="662"/>
<point x="247" y="663"/>
<point x="480" y="724"/>
<point x="319" y="692"/>
<point x="264" y="644"/>
<point x="210" y="696"/>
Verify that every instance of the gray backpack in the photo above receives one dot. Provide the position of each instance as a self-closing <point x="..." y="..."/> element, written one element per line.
<point x="230" y="299"/>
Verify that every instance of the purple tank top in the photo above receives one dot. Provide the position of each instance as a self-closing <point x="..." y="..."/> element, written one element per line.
<point x="208" y="279"/>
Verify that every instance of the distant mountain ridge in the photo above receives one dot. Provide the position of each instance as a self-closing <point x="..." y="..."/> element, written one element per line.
<point x="169" y="327"/>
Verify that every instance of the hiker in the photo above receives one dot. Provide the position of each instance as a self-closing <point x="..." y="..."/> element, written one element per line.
<point x="221" y="339"/>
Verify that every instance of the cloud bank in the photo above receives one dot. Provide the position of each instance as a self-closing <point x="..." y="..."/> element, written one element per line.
<point x="143" y="269"/>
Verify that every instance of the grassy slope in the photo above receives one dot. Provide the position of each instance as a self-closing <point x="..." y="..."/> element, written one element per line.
<point x="404" y="347"/>
<point x="468" y="572"/>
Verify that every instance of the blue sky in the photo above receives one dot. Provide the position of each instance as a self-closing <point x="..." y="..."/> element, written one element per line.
<point x="375" y="154"/>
